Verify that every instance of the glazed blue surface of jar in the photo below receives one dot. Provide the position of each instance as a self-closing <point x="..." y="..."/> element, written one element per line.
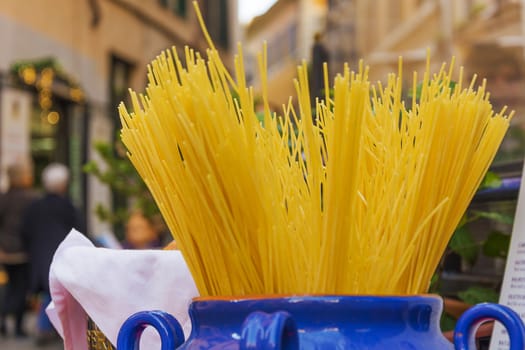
<point x="321" y="323"/>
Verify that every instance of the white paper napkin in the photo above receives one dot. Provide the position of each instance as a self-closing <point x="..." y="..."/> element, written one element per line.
<point x="110" y="285"/>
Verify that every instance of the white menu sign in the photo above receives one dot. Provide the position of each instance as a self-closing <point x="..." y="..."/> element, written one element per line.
<point x="15" y="112"/>
<point x="513" y="288"/>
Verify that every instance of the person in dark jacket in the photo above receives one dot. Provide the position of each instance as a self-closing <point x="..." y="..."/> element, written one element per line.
<point x="13" y="255"/>
<point x="47" y="221"/>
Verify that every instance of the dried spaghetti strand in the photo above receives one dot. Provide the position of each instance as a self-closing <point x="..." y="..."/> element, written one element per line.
<point x="358" y="194"/>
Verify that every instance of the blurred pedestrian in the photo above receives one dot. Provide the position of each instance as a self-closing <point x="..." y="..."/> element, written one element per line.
<point x="47" y="222"/>
<point x="13" y="255"/>
<point x="141" y="233"/>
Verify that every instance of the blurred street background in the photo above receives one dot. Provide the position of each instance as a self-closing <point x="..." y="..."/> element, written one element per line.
<point x="28" y="343"/>
<point x="65" y="65"/>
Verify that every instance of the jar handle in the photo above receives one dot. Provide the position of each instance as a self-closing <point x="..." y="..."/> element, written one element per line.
<point x="167" y="326"/>
<point x="263" y="331"/>
<point x="465" y="331"/>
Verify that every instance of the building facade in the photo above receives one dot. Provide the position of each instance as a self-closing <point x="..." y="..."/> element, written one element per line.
<point x="487" y="37"/>
<point x="288" y="28"/>
<point x="65" y="65"/>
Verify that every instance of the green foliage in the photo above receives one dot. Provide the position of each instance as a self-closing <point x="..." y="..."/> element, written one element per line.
<point x="494" y="216"/>
<point x="475" y="295"/>
<point x="463" y="244"/>
<point x="491" y="180"/>
<point x="40" y="64"/>
<point x="515" y="148"/>
<point x="496" y="245"/>
<point x="447" y="322"/>
<point x="434" y="284"/>
<point x="419" y="89"/>
<point x="121" y="177"/>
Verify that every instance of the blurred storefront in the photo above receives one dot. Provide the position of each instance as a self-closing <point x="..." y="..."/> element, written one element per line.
<point x="66" y="64"/>
<point x="44" y="116"/>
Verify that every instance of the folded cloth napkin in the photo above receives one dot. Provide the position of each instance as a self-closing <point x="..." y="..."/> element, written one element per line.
<point x="110" y="285"/>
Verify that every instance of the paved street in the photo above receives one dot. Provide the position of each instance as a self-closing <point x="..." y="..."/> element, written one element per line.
<point x="10" y="343"/>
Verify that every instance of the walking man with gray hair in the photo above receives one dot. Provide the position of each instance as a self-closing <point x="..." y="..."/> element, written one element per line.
<point x="46" y="223"/>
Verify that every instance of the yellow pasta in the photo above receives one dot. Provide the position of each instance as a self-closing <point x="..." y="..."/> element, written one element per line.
<point x="362" y="198"/>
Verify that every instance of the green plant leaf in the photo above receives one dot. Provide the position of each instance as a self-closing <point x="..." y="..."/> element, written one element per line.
<point x="491" y="180"/>
<point x="464" y="220"/>
<point x="104" y="150"/>
<point x="447" y="322"/>
<point x="491" y="215"/>
<point x="475" y="295"/>
<point x="434" y="283"/>
<point x="416" y="92"/>
<point x="419" y="89"/>
<point x="102" y="213"/>
<point x="92" y="168"/>
<point x="463" y="244"/>
<point x="117" y="172"/>
<point x="496" y="245"/>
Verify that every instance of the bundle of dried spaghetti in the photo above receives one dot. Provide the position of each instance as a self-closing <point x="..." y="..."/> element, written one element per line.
<point x="360" y="199"/>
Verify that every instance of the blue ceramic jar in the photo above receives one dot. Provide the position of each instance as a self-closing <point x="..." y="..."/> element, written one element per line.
<point x="319" y="323"/>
